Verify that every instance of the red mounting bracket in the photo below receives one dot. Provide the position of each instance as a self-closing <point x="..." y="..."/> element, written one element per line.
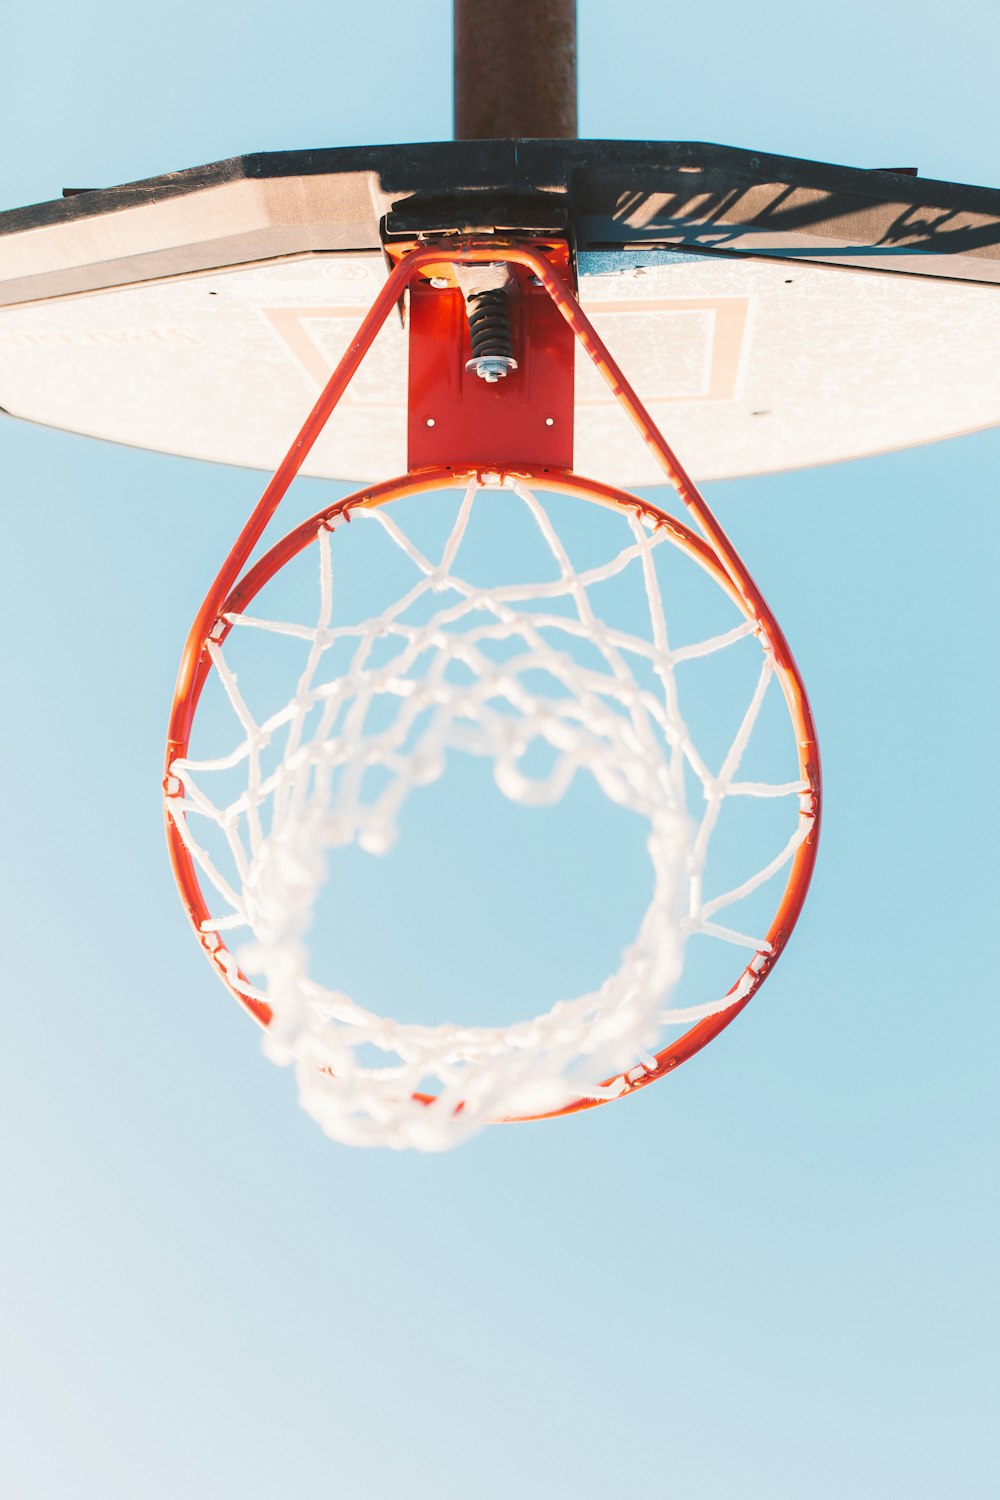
<point x="455" y="417"/>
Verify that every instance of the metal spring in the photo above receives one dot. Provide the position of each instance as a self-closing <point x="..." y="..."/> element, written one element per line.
<point x="489" y="325"/>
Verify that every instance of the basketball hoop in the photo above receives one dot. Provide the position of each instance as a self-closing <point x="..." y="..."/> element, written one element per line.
<point x="189" y="313"/>
<point x="457" y="666"/>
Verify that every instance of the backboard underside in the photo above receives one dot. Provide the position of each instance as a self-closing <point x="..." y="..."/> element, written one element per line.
<point x="797" y="347"/>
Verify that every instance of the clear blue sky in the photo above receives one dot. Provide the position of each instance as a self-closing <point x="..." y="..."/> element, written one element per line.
<point x="769" y="1278"/>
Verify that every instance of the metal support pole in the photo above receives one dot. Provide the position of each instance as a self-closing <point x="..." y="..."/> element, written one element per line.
<point x="515" y="69"/>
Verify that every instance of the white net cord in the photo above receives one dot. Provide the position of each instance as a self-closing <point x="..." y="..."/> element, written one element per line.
<point x="452" y="668"/>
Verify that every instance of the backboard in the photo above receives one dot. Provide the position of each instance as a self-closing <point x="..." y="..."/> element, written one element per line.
<point x="771" y="313"/>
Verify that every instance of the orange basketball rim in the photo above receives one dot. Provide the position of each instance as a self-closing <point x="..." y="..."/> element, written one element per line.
<point x="480" y="433"/>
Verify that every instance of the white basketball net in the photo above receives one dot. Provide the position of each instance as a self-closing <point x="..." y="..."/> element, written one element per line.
<point x="453" y="694"/>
